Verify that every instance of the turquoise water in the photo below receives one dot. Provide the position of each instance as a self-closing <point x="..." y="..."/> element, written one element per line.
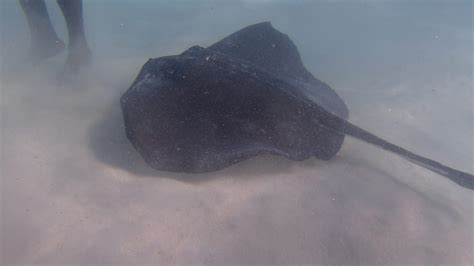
<point x="75" y="191"/>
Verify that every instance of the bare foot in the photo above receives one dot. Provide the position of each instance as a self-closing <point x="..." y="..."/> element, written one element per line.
<point x="41" y="50"/>
<point x="79" y="56"/>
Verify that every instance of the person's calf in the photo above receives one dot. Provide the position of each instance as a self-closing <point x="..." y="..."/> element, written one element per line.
<point x="44" y="40"/>
<point x="79" y="51"/>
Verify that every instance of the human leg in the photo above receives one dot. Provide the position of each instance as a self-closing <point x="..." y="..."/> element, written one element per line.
<point x="79" y="51"/>
<point x="44" y="40"/>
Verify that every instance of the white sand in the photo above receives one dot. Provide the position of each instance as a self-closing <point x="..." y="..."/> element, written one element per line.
<point x="74" y="190"/>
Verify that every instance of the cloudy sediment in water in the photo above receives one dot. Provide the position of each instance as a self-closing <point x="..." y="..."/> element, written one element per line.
<point x="75" y="191"/>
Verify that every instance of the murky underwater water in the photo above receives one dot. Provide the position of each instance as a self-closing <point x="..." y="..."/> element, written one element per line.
<point x="75" y="191"/>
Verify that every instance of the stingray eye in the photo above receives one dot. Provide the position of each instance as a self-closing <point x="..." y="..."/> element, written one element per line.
<point x="149" y="75"/>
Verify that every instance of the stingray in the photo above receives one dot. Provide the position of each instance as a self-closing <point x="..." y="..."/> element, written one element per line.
<point x="248" y="94"/>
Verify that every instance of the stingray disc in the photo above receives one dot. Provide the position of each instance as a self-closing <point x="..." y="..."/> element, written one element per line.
<point x="247" y="94"/>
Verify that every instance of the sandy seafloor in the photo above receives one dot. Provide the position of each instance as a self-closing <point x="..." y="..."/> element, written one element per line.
<point x="74" y="191"/>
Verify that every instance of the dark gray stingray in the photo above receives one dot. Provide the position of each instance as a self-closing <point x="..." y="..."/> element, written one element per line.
<point x="245" y="95"/>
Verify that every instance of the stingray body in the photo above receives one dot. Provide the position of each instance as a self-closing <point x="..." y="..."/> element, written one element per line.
<point x="245" y="95"/>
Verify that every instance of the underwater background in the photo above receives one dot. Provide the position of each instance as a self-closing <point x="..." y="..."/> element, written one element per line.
<point x="73" y="189"/>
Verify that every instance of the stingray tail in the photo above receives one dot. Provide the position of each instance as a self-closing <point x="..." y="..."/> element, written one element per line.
<point x="340" y="125"/>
